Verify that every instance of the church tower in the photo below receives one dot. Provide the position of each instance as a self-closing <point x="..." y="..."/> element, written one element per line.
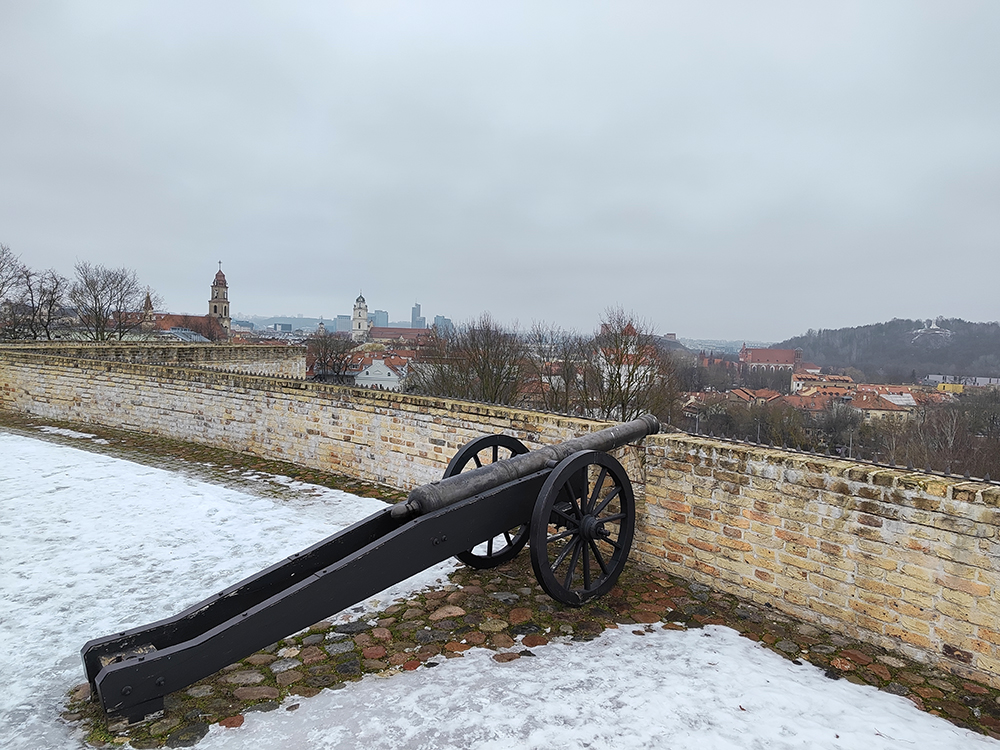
<point x="148" y="320"/>
<point x="359" y="321"/>
<point x="218" y="305"/>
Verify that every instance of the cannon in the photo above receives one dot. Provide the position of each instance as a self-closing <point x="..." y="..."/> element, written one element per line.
<point x="573" y="502"/>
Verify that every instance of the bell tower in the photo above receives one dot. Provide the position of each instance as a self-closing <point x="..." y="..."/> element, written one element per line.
<point x="218" y="305"/>
<point x="359" y="321"/>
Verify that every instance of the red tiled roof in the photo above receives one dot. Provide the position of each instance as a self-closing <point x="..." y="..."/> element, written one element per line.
<point x="361" y="360"/>
<point x="748" y="394"/>
<point x="827" y="389"/>
<point x="412" y="336"/>
<point x="869" y="401"/>
<point x="881" y="388"/>
<point x="768" y="356"/>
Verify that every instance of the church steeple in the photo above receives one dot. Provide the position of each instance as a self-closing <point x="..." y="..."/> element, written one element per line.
<point x="218" y="305"/>
<point x="359" y="321"/>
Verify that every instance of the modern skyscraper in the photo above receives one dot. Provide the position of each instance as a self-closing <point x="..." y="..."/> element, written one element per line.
<point x="416" y="319"/>
<point x="443" y="324"/>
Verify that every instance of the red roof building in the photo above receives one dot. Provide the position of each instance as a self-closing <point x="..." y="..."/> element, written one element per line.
<point x="873" y="405"/>
<point x="804" y="380"/>
<point x="814" y="404"/>
<point x="413" y="337"/>
<point x="754" y="397"/>
<point x="769" y="360"/>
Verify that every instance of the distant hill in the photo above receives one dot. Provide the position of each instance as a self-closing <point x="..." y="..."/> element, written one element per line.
<point x="671" y="345"/>
<point x="901" y="349"/>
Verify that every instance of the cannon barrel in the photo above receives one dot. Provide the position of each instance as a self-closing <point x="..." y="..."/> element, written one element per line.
<point x="436" y="495"/>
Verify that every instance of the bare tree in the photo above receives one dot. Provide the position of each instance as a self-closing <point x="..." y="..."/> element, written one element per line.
<point x="42" y="302"/>
<point x="838" y="423"/>
<point x="629" y="372"/>
<point x="495" y="357"/>
<point x="92" y="298"/>
<point x="555" y="368"/>
<point x="108" y="301"/>
<point x="949" y="436"/>
<point x="329" y="355"/>
<point x="479" y="361"/>
<point x="439" y="370"/>
<point x="128" y="297"/>
<point x="32" y="303"/>
<point x="10" y="267"/>
<point x="10" y="273"/>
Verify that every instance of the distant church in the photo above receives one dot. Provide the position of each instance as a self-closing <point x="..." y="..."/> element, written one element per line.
<point x="359" y="321"/>
<point x="218" y="305"/>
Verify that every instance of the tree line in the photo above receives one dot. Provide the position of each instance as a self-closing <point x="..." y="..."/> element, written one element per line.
<point x="904" y="350"/>
<point x="958" y="437"/>
<point x="98" y="304"/>
<point x="619" y="372"/>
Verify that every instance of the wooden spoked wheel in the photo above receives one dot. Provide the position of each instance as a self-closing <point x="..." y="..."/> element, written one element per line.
<point x="582" y="527"/>
<point x="490" y="449"/>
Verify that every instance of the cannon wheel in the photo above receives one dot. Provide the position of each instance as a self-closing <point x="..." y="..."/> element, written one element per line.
<point x="582" y="527"/>
<point x="476" y="453"/>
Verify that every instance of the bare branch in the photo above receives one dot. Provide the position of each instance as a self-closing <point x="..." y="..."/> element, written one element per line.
<point x="108" y="301"/>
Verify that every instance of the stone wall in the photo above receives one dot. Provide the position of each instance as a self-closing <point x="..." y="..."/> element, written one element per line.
<point x="395" y="439"/>
<point x="258" y="359"/>
<point x="904" y="560"/>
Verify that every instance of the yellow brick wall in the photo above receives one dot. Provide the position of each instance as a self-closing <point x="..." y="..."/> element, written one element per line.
<point x="902" y="560"/>
<point x="386" y="437"/>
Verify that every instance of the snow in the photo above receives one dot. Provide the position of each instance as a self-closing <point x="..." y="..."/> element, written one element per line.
<point x="91" y="544"/>
<point x="700" y="689"/>
<point x="71" y="434"/>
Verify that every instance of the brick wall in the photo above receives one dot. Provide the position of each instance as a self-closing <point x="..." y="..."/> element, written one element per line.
<point x="903" y="560"/>
<point x="380" y="436"/>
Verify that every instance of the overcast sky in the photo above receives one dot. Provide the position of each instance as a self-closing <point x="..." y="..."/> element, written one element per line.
<point x="722" y="169"/>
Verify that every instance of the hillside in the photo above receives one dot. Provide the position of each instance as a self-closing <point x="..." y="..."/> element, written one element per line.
<point x="898" y="350"/>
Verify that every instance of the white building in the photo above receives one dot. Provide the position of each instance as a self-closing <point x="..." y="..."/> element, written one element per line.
<point x="359" y="321"/>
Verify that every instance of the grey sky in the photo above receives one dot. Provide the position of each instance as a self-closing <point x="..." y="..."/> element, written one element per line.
<point x="724" y="169"/>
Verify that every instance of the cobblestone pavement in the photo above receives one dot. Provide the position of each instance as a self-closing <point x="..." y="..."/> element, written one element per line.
<point x="501" y="609"/>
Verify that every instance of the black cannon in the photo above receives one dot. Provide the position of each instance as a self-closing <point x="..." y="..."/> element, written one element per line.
<point x="573" y="501"/>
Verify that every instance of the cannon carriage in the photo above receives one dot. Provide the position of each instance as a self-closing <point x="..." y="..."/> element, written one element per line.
<point x="572" y="503"/>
